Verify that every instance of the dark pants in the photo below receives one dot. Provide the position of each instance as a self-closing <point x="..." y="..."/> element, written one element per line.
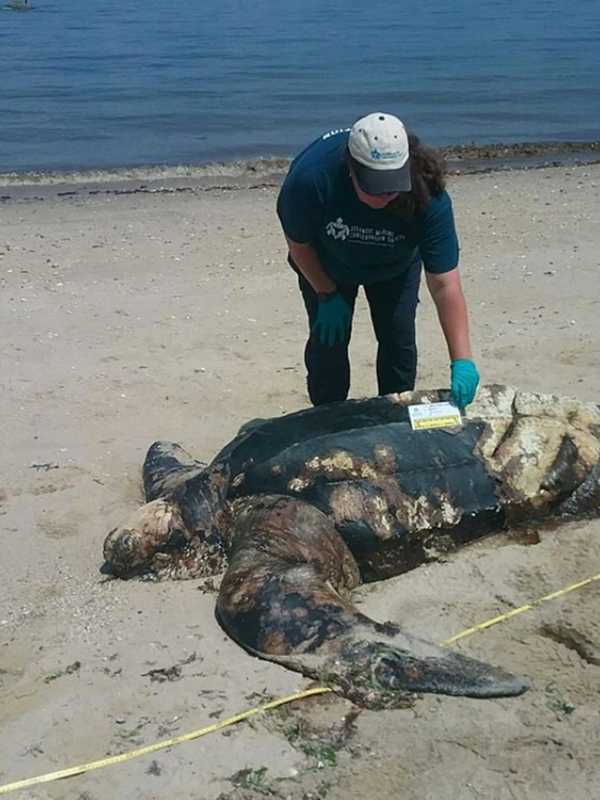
<point x="393" y="306"/>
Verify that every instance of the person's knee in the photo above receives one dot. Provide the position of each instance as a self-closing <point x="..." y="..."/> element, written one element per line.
<point x="319" y="398"/>
<point x="328" y="378"/>
<point x="327" y="386"/>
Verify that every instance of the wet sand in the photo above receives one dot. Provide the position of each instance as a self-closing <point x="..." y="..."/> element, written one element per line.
<point x="145" y="309"/>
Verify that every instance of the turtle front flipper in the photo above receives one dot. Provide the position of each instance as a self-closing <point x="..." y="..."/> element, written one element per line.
<point x="166" y="467"/>
<point x="285" y="597"/>
<point x="377" y="673"/>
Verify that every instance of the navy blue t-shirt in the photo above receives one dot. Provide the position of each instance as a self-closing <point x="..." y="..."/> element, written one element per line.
<point x="317" y="204"/>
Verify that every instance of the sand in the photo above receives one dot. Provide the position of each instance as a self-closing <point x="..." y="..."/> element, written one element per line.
<point x="131" y="314"/>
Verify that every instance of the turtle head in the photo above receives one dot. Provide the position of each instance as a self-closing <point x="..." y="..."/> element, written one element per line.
<point x="156" y="527"/>
<point x="176" y="529"/>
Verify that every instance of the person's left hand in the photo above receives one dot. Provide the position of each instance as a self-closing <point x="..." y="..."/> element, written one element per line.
<point x="464" y="381"/>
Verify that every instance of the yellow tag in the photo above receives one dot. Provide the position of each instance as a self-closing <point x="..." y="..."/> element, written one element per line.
<point x="434" y="415"/>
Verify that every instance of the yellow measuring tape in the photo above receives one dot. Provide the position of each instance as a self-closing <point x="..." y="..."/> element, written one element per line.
<point x="152" y="748"/>
<point x="187" y="737"/>
<point x="509" y="614"/>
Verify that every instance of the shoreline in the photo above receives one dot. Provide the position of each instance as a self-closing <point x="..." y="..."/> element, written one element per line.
<point x="264" y="172"/>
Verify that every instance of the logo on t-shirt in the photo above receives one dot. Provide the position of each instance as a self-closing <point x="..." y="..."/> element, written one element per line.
<point x="358" y="235"/>
<point x="337" y="229"/>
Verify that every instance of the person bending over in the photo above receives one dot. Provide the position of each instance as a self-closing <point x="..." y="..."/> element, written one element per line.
<point x="367" y="206"/>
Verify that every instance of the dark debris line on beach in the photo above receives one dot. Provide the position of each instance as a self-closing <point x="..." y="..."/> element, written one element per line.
<point x="210" y="177"/>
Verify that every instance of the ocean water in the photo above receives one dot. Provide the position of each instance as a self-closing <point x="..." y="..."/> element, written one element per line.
<point x="109" y="84"/>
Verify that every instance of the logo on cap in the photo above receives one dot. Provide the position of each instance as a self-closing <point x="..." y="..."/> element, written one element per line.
<point x="379" y="138"/>
<point x="377" y="155"/>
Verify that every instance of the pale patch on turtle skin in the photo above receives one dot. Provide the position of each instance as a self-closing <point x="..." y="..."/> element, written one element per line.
<point x="526" y="456"/>
<point x="415" y="514"/>
<point x="337" y="466"/>
<point x="238" y="480"/>
<point x="493" y="402"/>
<point x="348" y="501"/>
<point x="417" y="396"/>
<point x="494" y="433"/>
<point x="450" y="514"/>
<point x="341" y="465"/>
<point x="385" y="459"/>
<point x="577" y="413"/>
<point x="527" y="438"/>
<point x="427" y="512"/>
<point x="198" y="559"/>
<point x="298" y="485"/>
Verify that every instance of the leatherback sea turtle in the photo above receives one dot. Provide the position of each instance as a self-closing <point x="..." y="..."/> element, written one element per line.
<point x="304" y="506"/>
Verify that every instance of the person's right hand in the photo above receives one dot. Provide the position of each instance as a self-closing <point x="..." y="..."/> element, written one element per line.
<point x="333" y="319"/>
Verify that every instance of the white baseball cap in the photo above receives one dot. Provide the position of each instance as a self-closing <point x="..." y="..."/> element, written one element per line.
<point x="378" y="145"/>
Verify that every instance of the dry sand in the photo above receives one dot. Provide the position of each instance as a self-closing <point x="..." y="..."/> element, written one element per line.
<point x="172" y="314"/>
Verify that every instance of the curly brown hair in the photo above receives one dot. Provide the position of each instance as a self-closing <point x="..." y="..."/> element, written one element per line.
<point x="428" y="177"/>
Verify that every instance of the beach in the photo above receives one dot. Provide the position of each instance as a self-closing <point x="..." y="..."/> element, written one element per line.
<point x="164" y="309"/>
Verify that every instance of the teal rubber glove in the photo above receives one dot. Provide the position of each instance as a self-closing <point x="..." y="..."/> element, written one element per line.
<point x="464" y="381"/>
<point x="333" y="319"/>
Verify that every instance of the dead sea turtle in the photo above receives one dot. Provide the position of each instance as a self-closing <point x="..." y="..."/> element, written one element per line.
<point x="304" y="506"/>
